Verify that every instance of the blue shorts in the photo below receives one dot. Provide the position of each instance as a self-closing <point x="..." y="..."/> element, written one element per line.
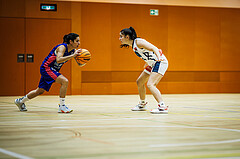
<point x="49" y="75"/>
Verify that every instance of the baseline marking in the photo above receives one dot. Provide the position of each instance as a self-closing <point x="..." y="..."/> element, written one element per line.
<point x="13" y="154"/>
<point x="195" y="144"/>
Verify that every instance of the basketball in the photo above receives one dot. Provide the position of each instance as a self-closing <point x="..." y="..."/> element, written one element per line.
<point x="84" y="57"/>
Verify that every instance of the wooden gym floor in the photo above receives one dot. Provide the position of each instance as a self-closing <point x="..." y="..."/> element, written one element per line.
<point x="103" y="127"/>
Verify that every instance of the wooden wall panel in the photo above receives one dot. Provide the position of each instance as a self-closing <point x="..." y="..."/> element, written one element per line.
<point x="181" y="38"/>
<point x="124" y="16"/>
<point x="192" y="38"/>
<point x="207" y="87"/>
<point x="76" y="74"/>
<point x="230" y="87"/>
<point x="196" y="3"/>
<point x="154" y="28"/>
<point x="33" y="10"/>
<point x="207" y="39"/>
<point x="124" y="88"/>
<point x="125" y="76"/>
<point x="12" y="8"/>
<point x="230" y="76"/>
<point x="96" y="35"/>
<point x="12" y="81"/>
<point x="96" y="77"/>
<point x="201" y="45"/>
<point x="125" y="59"/>
<point x="96" y="88"/>
<point x="41" y="36"/>
<point x="230" y="33"/>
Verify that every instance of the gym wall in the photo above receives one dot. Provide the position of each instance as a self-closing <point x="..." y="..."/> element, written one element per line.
<point x="201" y="44"/>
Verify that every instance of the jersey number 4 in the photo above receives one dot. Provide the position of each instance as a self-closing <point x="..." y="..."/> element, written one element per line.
<point x="149" y="57"/>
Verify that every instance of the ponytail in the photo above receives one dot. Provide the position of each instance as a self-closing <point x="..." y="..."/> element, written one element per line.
<point x="131" y="32"/>
<point x="70" y="36"/>
<point x="128" y="31"/>
<point x="134" y="34"/>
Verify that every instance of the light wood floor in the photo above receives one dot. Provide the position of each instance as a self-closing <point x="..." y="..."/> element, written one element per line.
<point x="104" y="127"/>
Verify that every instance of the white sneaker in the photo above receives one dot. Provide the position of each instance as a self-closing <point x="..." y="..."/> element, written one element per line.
<point x="160" y="110"/>
<point x="140" y="107"/>
<point x="64" y="109"/>
<point x="21" y="106"/>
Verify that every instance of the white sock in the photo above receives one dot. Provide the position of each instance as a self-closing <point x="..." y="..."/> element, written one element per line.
<point x="24" y="99"/>
<point x="142" y="101"/>
<point x="62" y="101"/>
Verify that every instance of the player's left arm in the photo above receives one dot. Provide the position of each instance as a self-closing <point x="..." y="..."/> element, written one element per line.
<point x="141" y="43"/>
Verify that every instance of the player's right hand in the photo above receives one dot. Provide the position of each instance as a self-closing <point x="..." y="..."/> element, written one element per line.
<point x="77" y="52"/>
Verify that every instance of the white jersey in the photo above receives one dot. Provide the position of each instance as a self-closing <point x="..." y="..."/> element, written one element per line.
<point x="148" y="56"/>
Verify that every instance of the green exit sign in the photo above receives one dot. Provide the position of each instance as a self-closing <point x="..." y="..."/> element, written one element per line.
<point x="154" y="12"/>
<point x="48" y="7"/>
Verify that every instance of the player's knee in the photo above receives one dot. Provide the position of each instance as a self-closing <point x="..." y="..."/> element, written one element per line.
<point x="41" y="92"/>
<point x="150" y="85"/>
<point x="65" y="81"/>
<point x="139" y="82"/>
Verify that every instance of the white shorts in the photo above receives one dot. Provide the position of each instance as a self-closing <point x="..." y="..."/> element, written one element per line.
<point x="159" y="67"/>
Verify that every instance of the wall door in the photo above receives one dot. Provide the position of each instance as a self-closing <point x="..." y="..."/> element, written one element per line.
<point x="41" y="36"/>
<point x="12" y="81"/>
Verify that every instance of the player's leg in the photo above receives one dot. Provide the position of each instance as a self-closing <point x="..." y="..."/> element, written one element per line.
<point x="156" y="75"/>
<point x="142" y="79"/>
<point x="20" y="102"/>
<point x="152" y="86"/>
<point x="152" y="83"/>
<point x="35" y="93"/>
<point x="64" y="85"/>
<point x="63" y="90"/>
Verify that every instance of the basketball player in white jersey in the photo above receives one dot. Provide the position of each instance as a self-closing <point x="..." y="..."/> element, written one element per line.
<point x="156" y="66"/>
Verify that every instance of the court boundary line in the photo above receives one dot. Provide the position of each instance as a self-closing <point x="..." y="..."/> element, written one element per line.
<point x="13" y="154"/>
<point x="57" y="120"/>
<point x="167" y="145"/>
<point x="145" y="126"/>
<point x="195" y="144"/>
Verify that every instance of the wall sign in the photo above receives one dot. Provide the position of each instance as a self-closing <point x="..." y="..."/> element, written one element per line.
<point x="48" y="7"/>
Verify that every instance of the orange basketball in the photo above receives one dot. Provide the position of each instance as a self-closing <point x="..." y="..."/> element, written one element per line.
<point x="84" y="57"/>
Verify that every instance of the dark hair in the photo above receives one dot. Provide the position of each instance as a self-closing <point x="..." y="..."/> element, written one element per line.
<point x="128" y="31"/>
<point x="70" y="36"/>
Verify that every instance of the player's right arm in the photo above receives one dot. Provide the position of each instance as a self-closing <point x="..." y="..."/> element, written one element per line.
<point x="60" y="52"/>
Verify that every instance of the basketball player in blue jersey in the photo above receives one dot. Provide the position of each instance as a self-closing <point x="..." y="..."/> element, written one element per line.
<point x="156" y="66"/>
<point x="49" y="70"/>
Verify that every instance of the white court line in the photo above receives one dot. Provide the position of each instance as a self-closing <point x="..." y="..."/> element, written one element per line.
<point x="222" y="158"/>
<point x="13" y="154"/>
<point x="41" y="121"/>
<point x="166" y="145"/>
<point x="195" y="144"/>
<point x="144" y="126"/>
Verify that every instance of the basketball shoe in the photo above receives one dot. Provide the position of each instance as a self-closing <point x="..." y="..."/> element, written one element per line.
<point x="64" y="109"/>
<point x="21" y="106"/>
<point x="140" y="107"/>
<point x="162" y="109"/>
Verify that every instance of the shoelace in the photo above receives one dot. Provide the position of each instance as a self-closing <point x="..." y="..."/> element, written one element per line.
<point x="65" y="106"/>
<point x="141" y="105"/>
<point x="162" y="107"/>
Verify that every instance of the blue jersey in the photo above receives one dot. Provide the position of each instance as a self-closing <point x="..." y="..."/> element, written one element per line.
<point x="50" y="60"/>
